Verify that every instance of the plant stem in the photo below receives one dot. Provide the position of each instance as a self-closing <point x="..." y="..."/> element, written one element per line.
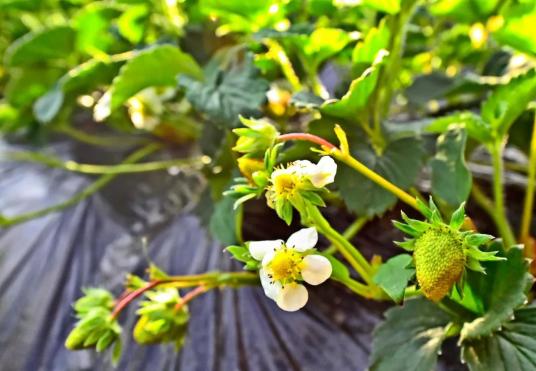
<point x="101" y="141"/>
<point x="375" y="177"/>
<point x="346" y="158"/>
<point x="56" y="162"/>
<point x="356" y="287"/>
<point x="239" y="221"/>
<point x="524" y="232"/>
<point x="206" y="280"/>
<point x="349" y="232"/>
<point x="498" y="193"/>
<point x="90" y="190"/>
<point x="350" y="253"/>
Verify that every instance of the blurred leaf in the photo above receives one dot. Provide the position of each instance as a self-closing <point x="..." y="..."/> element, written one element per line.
<point x="223" y="96"/>
<point x="94" y="25"/>
<point x="393" y="276"/>
<point x="131" y="23"/>
<point x="467" y="11"/>
<point x="475" y="126"/>
<point x="155" y="66"/>
<point x="517" y="30"/>
<point x="356" y="99"/>
<point x="222" y="222"/>
<point x="502" y="289"/>
<point x="37" y="47"/>
<point x="387" y="6"/>
<point x="81" y="79"/>
<point x="508" y="101"/>
<point x="340" y="271"/>
<point x="306" y="99"/>
<point x="451" y="178"/>
<point x="365" y="51"/>
<point x="320" y="45"/>
<point x="27" y="84"/>
<point x="400" y="163"/>
<point x="513" y="347"/>
<point x="244" y="16"/>
<point x="410" y="337"/>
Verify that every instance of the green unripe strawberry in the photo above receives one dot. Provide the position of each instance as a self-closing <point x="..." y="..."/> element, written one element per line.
<point x="439" y="261"/>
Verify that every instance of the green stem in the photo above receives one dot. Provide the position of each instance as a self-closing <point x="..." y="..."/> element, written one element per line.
<point x="356" y="287"/>
<point x="524" y="232"/>
<point x="347" y="250"/>
<point x="101" y="141"/>
<point x="349" y="232"/>
<point x="90" y="190"/>
<point x="56" y="162"/>
<point x="239" y="221"/>
<point x="498" y="193"/>
<point x="375" y="177"/>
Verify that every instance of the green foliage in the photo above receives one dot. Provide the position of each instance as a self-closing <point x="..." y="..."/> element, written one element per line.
<point x="241" y="253"/>
<point x="393" y="276"/>
<point x="399" y="163"/>
<point x="410" y="337"/>
<point x="517" y="30"/>
<point x="366" y="51"/>
<point x="502" y="291"/>
<point x="224" y="95"/>
<point x="512" y="347"/>
<point x="156" y="66"/>
<point x="223" y="220"/>
<point x="451" y="178"/>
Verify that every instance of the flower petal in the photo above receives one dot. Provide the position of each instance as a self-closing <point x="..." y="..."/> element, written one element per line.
<point x="324" y="173"/>
<point x="292" y="297"/>
<point x="316" y="269"/>
<point x="258" y="249"/>
<point x="303" y="240"/>
<point x="271" y="289"/>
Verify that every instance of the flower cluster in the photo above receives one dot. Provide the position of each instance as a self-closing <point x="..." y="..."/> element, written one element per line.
<point x="284" y="265"/>
<point x="299" y="183"/>
<point x="441" y="251"/>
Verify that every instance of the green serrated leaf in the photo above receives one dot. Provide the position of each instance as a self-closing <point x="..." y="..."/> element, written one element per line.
<point x="365" y="51"/>
<point x="393" y="276"/>
<point x="517" y="29"/>
<point x="458" y="217"/>
<point x="502" y="290"/>
<point x="225" y="95"/>
<point x="451" y="178"/>
<point x="400" y="163"/>
<point x="477" y="239"/>
<point x="476" y="128"/>
<point x="513" y="347"/>
<point x="410" y="337"/>
<point x="155" y="66"/>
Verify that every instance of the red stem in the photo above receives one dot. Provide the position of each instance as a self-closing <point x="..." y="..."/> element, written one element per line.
<point x="308" y="137"/>
<point x="190" y="296"/>
<point x="126" y="299"/>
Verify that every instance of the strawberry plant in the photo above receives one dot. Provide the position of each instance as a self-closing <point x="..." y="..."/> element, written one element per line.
<point x="297" y="125"/>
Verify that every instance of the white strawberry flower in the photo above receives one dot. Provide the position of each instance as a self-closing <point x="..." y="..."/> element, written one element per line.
<point x="285" y="265"/>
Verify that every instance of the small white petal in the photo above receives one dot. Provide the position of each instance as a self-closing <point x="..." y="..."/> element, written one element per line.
<point x="258" y="249"/>
<point x="271" y="289"/>
<point x="303" y="240"/>
<point x="324" y="173"/>
<point x="267" y="258"/>
<point x="292" y="297"/>
<point x="316" y="269"/>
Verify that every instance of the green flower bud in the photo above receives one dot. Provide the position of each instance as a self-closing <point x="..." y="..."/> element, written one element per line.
<point x="256" y="137"/>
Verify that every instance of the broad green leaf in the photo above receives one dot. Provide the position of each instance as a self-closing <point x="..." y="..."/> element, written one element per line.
<point x="393" y="276"/>
<point x="307" y="100"/>
<point x="501" y="290"/>
<point x="244" y="16"/>
<point x="29" y="83"/>
<point x="467" y="11"/>
<point x="37" y="47"/>
<point x="365" y="51"/>
<point x="356" y="99"/>
<point x="451" y="178"/>
<point x="156" y="66"/>
<point x="387" y="6"/>
<point x="475" y="126"/>
<point x="517" y="30"/>
<point x="513" y="347"/>
<point x="400" y="163"/>
<point x="81" y="79"/>
<point x="320" y="45"/>
<point x="508" y="101"/>
<point x="224" y="95"/>
<point x="222" y="221"/>
<point x="410" y="337"/>
<point x="94" y="24"/>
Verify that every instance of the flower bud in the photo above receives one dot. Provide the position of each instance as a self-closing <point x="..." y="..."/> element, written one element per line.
<point x="256" y="137"/>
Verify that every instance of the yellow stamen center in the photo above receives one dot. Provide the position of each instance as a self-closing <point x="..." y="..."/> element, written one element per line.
<point x="285" y="184"/>
<point x="286" y="265"/>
